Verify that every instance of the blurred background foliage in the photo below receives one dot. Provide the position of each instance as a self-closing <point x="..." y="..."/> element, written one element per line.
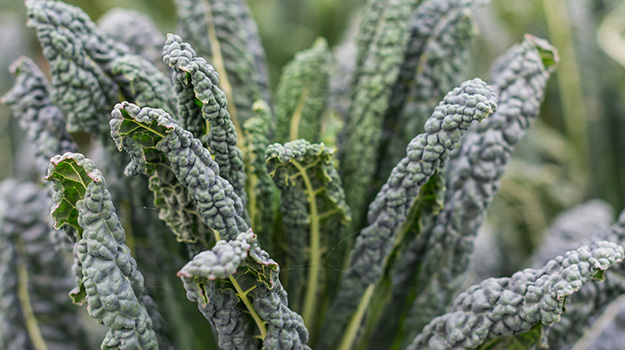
<point x="575" y="152"/>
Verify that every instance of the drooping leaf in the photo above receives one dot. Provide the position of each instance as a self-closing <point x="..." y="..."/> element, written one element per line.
<point x="500" y="307"/>
<point x="248" y="271"/>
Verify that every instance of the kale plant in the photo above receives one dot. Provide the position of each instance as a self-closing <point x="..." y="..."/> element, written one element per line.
<point x="281" y="241"/>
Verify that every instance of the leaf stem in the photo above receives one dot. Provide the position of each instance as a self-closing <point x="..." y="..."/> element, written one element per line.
<point x="297" y="115"/>
<point x="315" y="250"/>
<point x="32" y="326"/>
<point x="218" y="62"/>
<point x="354" y="324"/>
<point x="243" y="296"/>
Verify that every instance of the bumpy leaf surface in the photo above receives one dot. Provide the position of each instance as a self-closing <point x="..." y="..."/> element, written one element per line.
<point x="588" y="304"/>
<point x="473" y="100"/>
<point x="108" y="279"/>
<point x="34" y="308"/>
<point x="31" y="105"/>
<point x="154" y="141"/>
<point x="312" y="198"/>
<point x="224" y="32"/>
<point x="259" y="187"/>
<point x="302" y="94"/>
<point x="381" y="43"/>
<point x="435" y="61"/>
<point x="148" y="134"/>
<point x="137" y="31"/>
<point x="79" y="55"/>
<point x="251" y="272"/>
<point x="475" y="170"/>
<point x="200" y="102"/>
<point x="144" y="84"/>
<point x="500" y="307"/>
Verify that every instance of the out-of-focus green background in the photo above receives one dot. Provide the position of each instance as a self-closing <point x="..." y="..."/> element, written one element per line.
<point x="576" y="151"/>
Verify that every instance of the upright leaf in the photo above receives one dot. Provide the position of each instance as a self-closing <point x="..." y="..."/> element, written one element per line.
<point x="500" y="307"/>
<point x="302" y="94"/>
<point x="435" y="61"/>
<point x="107" y="275"/>
<point x="203" y="109"/>
<point x="79" y="55"/>
<point x="473" y="100"/>
<point x="137" y="31"/>
<point x="144" y="84"/>
<point x="475" y="170"/>
<point x="260" y="189"/>
<point x="31" y="104"/>
<point x="224" y="32"/>
<point x="312" y="203"/>
<point x="381" y="44"/>
<point x="35" y="312"/>
<point x="151" y="134"/>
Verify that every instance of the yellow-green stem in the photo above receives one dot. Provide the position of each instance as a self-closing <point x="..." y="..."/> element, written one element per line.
<point x="246" y="301"/>
<point x="315" y="251"/>
<point x="243" y="296"/>
<point x="354" y="324"/>
<point x="218" y="62"/>
<point x="297" y="115"/>
<point x="32" y="326"/>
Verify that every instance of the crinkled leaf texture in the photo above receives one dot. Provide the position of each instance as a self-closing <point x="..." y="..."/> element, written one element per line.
<point x="500" y="307"/>
<point x="35" y="311"/>
<point x="312" y="203"/>
<point x="250" y="272"/>
<point x="203" y="109"/>
<point x="224" y="32"/>
<point x="79" y="55"/>
<point x="38" y="115"/>
<point x="106" y="274"/>
<point x="302" y="94"/>
<point x="148" y="134"/>
<point x="473" y="100"/>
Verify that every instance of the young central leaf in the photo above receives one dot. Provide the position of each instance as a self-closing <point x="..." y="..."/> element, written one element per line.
<point x="312" y="201"/>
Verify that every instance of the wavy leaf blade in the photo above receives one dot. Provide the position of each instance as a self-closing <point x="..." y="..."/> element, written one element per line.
<point x="302" y="94"/>
<point x="381" y="44"/>
<point x="312" y="197"/>
<point x="203" y="107"/>
<point x="224" y="33"/>
<point x="473" y="100"/>
<point x="475" y="171"/>
<point x="536" y="296"/>
<point x="108" y="278"/>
